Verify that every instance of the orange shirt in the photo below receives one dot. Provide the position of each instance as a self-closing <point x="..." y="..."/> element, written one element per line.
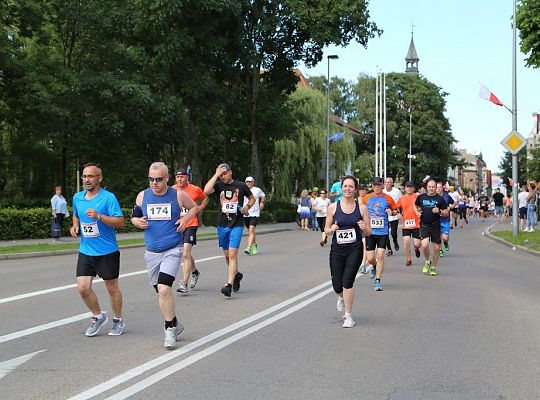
<point x="406" y="204"/>
<point x="195" y="193"/>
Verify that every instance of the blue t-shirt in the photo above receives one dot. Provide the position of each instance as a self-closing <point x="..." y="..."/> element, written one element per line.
<point x="97" y="238"/>
<point x="449" y="200"/>
<point x="377" y="206"/>
<point x="162" y="213"/>
<point x="336" y="188"/>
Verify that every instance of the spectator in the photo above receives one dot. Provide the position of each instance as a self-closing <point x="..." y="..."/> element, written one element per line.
<point x="59" y="212"/>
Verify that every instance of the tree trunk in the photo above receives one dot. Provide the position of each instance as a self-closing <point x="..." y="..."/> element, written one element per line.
<point x="193" y="147"/>
<point x="255" y="152"/>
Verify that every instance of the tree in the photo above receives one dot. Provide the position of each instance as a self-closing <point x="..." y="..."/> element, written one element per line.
<point x="505" y="167"/>
<point x="528" y="23"/>
<point x="431" y="136"/>
<point x="533" y="165"/>
<point x="342" y="100"/>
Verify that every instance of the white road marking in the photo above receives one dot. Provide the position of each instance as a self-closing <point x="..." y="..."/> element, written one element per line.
<point x="135" y="372"/>
<point x="74" y="285"/>
<point x="7" y="366"/>
<point x="44" y="327"/>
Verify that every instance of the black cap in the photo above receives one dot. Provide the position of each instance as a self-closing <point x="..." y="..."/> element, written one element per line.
<point x="377" y="180"/>
<point x="362" y="186"/>
<point x="409" y="183"/>
<point x="181" y="171"/>
<point x="226" y="166"/>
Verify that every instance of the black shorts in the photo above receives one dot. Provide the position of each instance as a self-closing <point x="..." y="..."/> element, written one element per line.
<point x="374" y="241"/>
<point x="251" y="221"/>
<point x="523" y="212"/>
<point x="433" y="232"/>
<point x="106" y="267"/>
<point x="415" y="233"/>
<point x="190" y="235"/>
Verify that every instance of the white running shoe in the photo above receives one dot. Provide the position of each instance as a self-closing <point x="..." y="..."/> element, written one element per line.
<point x="340" y="304"/>
<point x="348" y="322"/>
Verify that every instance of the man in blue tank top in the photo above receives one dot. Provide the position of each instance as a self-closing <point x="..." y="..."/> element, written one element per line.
<point x="157" y="211"/>
<point x="96" y="215"/>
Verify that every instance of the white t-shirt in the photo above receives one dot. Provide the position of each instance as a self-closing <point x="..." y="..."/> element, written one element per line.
<point x="255" y="211"/>
<point x="522" y="199"/>
<point x="322" y="204"/>
<point x="396" y="194"/>
<point x="455" y="196"/>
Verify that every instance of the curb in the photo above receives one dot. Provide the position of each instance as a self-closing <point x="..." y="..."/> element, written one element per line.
<point x="19" y="256"/>
<point x="487" y="233"/>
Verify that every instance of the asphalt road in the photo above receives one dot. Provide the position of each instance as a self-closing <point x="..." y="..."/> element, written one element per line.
<point x="473" y="332"/>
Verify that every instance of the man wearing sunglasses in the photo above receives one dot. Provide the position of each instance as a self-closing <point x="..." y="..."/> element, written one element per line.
<point x="231" y="220"/>
<point x="157" y="211"/>
<point x="96" y="215"/>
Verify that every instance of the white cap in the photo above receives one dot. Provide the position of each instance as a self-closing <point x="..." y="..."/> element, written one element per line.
<point x="250" y="179"/>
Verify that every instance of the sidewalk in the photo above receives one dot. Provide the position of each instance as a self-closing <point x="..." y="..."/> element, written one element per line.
<point x="261" y="230"/>
<point x="506" y="225"/>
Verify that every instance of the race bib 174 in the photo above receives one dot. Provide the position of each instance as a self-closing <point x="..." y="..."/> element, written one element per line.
<point x="158" y="212"/>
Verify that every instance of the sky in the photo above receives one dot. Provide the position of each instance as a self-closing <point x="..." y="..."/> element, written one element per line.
<point x="459" y="44"/>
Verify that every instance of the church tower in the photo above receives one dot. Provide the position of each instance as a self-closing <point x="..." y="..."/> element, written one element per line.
<point x="411" y="59"/>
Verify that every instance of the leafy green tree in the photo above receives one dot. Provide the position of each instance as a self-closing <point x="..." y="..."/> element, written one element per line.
<point x="528" y="23"/>
<point x="533" y="165"/>
<point x="431" y="136"/>
<point x="342" y="100"/>
<point x="505" y="167"/>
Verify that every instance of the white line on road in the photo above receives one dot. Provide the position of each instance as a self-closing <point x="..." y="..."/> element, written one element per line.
<point x="10" y="365"/>
<point x="74" y="285"/>
<point x="135" y="372"/>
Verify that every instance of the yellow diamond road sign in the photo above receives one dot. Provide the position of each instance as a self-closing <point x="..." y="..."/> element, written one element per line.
<point x="513" y="142"/>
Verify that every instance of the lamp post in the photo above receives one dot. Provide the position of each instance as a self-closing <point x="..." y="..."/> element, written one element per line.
<point x="410" y="145"/>
<point x="330" y="57"/>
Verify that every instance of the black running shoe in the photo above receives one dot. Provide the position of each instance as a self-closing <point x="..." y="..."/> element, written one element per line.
<point x="396" y="246"/>
<point x="226" y="290"/>
<point x="237" y="279"/>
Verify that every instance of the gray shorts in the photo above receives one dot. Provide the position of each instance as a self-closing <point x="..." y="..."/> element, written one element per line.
<point x="168" y="262"/>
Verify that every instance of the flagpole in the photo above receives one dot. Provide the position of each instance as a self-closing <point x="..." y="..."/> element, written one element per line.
<point x="377" y="124"/>
<point x="515" y="178"/>
<point x="384" y="123"/>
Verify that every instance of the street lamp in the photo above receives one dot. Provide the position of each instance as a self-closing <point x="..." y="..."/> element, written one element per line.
<point x="330" y="57"/>
<point x="410" y="156"/>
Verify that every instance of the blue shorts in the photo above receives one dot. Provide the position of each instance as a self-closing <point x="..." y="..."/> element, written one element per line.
<point x="230" y="237"/>
<point x="445" y="227"/>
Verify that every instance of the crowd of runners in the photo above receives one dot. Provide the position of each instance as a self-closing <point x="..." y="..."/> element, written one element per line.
<point x="363" y="227"/>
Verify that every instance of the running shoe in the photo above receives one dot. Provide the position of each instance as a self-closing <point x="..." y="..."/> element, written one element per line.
<point x="425" y="269"/>
<point x="96" y="324"/>
<point x="194" y="278"/>
<point x="377" y="285"/>
<point x="117" y="328"/>
<point x="340" y="304"/>
<point x="446" y="246"/>
<point x="363" y="269"/>
<point x="389" y="253"/>
<point x="321" y="243"/>
<point x="247" y="250"/>
<point x="171" y="336"/>
<point x="408" y="263"/>
<point x="396" y="246"/>
<point x="226" y="290"/>
<point x="417" y="252"/>
<point x="236" y="285"/>
<point x="433" y="271"/>
<point x="182" y="287"/>
<point x="348" y="322"/>
<point x="372" y="272"/>
<point x="254" y="249"/>
<point x="441" y="253"/>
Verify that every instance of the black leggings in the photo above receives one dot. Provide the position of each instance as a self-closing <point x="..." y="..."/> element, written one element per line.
<point x="393" y="226"/>
<point x="344" y="264"/>
<point x="462" y="212"/>
<point x="321" y="221"/>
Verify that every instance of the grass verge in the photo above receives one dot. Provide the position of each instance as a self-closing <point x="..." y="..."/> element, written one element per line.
<point x="530" y="240"/>
<point x="49" y="247"/>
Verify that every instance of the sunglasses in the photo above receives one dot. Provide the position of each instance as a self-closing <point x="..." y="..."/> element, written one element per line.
<point x="158" y="179"/>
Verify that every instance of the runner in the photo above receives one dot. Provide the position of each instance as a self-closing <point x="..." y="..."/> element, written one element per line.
<point x="320" y="205"/>
<point x="362" y="190"/>
<point x="430" y="207"/>
<point x="462" y="208"/>
<point x="96" y="215"/>
<point x="455" y="195"/>
<point x="484" y="205"/>
<point x="335" y="190"/>
<point x="410" y="222"/>
<point x="231" y="224"/>
<point x="157" y="211"/>
<point x="346" y="219"/>
<point x="393" y="220"/>
<point x="445" y="220"/>
<point x="189" y="269"/>
<point x="380" y="206"/>
<point x="252" y="218"/>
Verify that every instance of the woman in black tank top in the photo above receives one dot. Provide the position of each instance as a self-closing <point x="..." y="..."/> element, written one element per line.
<point x="347" y="219"/>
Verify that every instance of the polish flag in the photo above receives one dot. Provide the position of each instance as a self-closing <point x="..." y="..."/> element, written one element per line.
<point x="486" y="94"/>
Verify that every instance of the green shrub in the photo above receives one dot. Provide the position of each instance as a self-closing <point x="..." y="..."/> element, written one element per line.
<point x="285" y="215"/>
